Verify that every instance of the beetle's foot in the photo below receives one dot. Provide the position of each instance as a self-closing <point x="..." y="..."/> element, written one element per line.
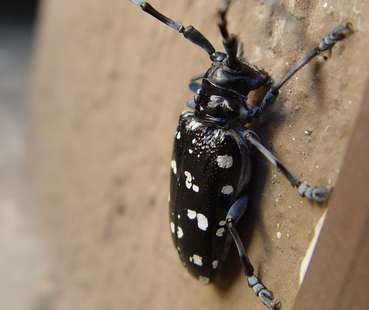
<point x="314" y="193"/>
<point x="265" y="296"/>
<point x="338" y="33"/>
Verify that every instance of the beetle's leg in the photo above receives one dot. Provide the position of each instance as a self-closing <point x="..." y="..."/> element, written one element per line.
<point x="314" y="193"/>
<point x="338" y="33"/>
<point x="194" y="85"/>
<point x="234" y="214"/>
<point x="190" y="33"/>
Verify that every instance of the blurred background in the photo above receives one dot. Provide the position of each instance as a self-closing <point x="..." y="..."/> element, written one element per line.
<point x="24" y="259"/>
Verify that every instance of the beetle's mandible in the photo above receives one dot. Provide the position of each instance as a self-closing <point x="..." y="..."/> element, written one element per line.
<point x="211" y="165"/>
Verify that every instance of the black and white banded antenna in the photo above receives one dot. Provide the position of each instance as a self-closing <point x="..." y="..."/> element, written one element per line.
<point x="230" y="41"/>
<point x="189" y="32"/>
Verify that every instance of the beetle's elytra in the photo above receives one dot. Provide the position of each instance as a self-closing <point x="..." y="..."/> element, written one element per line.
<point x="210" y="167"/>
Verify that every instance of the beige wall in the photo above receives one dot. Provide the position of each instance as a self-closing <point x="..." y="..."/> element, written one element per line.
<point x="109" y="83"/>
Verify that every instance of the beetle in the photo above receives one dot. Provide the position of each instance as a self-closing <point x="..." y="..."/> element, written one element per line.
<point x="211" y="166"/>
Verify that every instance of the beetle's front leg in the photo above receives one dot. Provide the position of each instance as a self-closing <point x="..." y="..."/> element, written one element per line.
<point x="268" y="100"/>
<point x="314" y="193"/>
<point x="195" y="87"/>
<point x="338" y="33"/>
<point x="234" y="214"/>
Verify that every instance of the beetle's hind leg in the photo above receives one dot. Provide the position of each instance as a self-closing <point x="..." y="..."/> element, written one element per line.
<point x="314" y="193"/>
<point x="234" y="214"/>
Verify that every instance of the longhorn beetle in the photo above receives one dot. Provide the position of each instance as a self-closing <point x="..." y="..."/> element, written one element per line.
<point x="211" y="156"/>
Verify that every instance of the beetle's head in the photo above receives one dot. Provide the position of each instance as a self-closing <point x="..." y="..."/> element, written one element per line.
<point x="227" y="83"/>
<point x="233" y="73"/>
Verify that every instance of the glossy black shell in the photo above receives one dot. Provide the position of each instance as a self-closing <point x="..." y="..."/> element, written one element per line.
<point x="210" y="169"/>
<point x="233" y="85"/>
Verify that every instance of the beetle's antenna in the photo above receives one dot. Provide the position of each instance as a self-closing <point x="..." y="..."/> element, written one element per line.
<point x="189" y="32"/>
<point x="230" y="41"/>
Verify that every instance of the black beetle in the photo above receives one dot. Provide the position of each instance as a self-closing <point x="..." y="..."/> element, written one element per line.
<point x="211" y="155"/>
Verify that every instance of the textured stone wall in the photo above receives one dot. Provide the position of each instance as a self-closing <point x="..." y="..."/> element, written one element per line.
<point x="109" y="84"/>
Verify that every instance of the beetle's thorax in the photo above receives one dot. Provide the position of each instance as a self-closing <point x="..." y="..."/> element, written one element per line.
<point x="224" y="91"/>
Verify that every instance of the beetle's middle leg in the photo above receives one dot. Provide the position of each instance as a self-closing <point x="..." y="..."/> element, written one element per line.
<point x="313" y="193"/>
<point x="234" y="214"/>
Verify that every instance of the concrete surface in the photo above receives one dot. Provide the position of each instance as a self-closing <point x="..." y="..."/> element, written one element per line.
<point x="109" y="84"/>
<point x="24" y="261"/>
<point x="340" y="284"/>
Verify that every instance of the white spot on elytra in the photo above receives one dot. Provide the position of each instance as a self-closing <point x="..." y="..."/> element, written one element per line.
<point x="191" y="214"/>
<point x="193" y="141"/>
<point x="188" y="179"/>
<point x="279" y="235"/>
<point x="173" y="164"/>
<point x="220" y="232"/>
<point x="178" y="136"/>
<point x="190" y="151"/>
<point x="227" y="189"/>
<point x="178" y="216"/>
<point x="172" y="227"/>
<point x="215" y="264"/>
<point x="225" y="161"/>
<point x="196" y="259"/>
<point x="222" y="223"/>
<point x="179" y="232"/>
<point x="204" y="280"/>
<point x="202" y="222"/>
